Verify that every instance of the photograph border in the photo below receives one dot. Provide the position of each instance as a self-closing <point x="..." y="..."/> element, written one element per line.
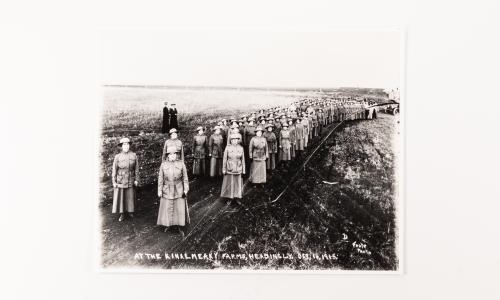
<point x="401" y="173"/>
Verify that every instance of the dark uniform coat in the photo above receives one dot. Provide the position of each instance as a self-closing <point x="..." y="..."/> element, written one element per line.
<point x="216" y="151"/>
<point x="173" y="118"/>
<point x="200" y="147"/>
<point x="166" y="120"/>
<point x="272" y="147"/>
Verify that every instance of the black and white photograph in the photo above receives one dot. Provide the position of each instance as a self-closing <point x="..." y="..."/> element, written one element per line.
<point x="251" y="151"/>
<point x="265" y="149"/>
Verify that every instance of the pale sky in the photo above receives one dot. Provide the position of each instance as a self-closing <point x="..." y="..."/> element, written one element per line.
<point x="257" y="59"/>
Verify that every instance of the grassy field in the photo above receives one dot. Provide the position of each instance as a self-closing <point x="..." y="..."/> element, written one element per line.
<point x="354" y="218"/>
<point x="137" y="113"/>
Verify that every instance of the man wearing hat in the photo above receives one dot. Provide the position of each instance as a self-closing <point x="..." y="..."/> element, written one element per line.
<point x="272" y="146"/>
<point x="125" y="176"/>
<point x="200" y="147"/>
<point x="173" y="186"/>
<point x="166" y="119"/>
<point x="216" y="151"/>
<point x="258" y="153"/>
<point x="173" y="141"/>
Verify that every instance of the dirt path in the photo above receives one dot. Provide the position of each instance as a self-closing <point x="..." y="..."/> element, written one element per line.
<point x="328" y="213"/>
<point x="121" y="240"/>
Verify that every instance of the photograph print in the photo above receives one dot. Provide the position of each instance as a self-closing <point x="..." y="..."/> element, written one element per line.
<point x="242" y="151"/>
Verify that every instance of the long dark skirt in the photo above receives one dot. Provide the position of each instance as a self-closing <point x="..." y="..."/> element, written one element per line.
<point x="123" y="200"/>
<point x="292" y="151"/>
<point x="232" y="186"/>
<point x="215" y="167"/>
<point x="199" y="166"/>
<point x="173" y="212"/>
<point x="271" y="161"/>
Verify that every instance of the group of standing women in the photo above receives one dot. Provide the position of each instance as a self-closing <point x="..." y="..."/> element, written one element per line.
<point x="260" y="142"/>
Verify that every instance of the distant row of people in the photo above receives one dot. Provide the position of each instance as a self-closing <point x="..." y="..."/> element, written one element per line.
<point x="259" y="143"/>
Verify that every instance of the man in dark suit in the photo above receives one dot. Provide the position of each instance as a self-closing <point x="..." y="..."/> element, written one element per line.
<point x="173" y="117"/>
<point x="166" y="119"/>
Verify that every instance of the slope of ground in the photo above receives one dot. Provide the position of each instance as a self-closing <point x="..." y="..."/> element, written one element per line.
<point x="341" y="204"/>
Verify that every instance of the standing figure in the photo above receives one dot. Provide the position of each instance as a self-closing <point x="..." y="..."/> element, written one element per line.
<point x="299" y="137"/>
<point x="258" y="153"/>
<point x="200" y="146"/>
<point x="277" y="129"/>
<point x="315" y="122"/>
<point x="173" y="141"/>
<point x="125" y="176"/>
<point x="165" y="127"/>
<point x="216" y="151"/>
<point x="272" y="146"/>
<point x="224" y="131"/>
<point x="234" y="129"/>
<point x="311" y="127"/>
<point x="249" y="134"/>
<point x="241" y="129"/>
<point x="285" y="144"/>
<point x="173" y="117"/>
<point x="293" y="138"/>
<point x="321" y="121"/>
<point x="173" y="186"/>
<point x="233" y="166"/>
<point x="307" y="128"/>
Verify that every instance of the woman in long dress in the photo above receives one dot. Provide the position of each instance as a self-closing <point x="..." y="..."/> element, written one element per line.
<point x="125" y="177"/>
<point x="299" y="137"/>
<point x="272" y="146"/>
<point x="233" y="166"/>
<point x="293" y="138"/>
<point x="215" y="152"/>
<point x="307" y="128"/>
<point x="200" y="146"/>
<point x="258" y="153"/>
<point x="285" y="144"/>
<point x="173" y="186"/>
